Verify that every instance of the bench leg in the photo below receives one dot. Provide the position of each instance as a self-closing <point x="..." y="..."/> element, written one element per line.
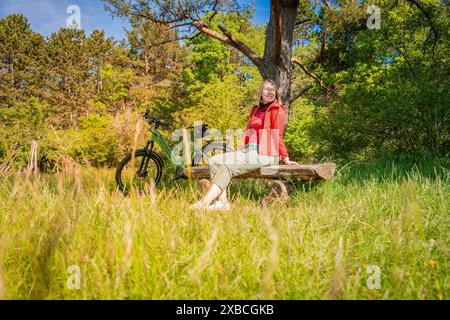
<point x="279" y="191"/>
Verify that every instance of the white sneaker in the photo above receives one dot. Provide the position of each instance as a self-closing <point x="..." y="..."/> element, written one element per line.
<point x="220" y="206"/>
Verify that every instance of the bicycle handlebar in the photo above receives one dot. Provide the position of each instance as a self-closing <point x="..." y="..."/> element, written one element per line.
<point x="153" y="121"/>
<point x="157" y="123"/>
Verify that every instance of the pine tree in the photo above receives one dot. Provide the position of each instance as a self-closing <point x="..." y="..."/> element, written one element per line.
<point x="21" y="53"/>
<point x="70" y="82"/>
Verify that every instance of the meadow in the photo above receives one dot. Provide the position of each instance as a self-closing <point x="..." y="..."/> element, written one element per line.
<point x="377" y="230"/>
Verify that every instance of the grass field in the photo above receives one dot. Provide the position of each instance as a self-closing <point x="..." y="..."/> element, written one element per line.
<point x="376" y="231"/>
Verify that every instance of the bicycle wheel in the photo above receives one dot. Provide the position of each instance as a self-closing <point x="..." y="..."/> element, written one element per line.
<point x="210" y="150"/>
<point x="136" y="172"/>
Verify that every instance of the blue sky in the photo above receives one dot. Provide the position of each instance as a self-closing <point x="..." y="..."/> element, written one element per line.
<point x="47" y="16"/>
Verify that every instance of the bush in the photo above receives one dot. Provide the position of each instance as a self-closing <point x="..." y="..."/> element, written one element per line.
<point x="94" y="143"/>
<point x="20" y="125"/>
<point x="383" y="111"/>
<point x="300" y="144"/>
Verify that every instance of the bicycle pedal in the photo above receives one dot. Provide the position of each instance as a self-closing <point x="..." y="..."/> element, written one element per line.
<point x="180" y="177"/>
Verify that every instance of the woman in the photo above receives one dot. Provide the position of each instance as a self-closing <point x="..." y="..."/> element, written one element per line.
<point x="262" y="145"/>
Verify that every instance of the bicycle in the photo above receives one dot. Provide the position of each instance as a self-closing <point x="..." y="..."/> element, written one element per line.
<point x="135" y="171"/>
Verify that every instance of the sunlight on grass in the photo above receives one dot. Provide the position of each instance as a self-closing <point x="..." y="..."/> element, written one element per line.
<point x="318" y="245"/>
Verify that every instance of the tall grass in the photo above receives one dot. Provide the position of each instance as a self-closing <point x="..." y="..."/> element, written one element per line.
<point x="317" y="245"/>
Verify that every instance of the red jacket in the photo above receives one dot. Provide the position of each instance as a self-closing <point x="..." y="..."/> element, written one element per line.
<point x="272" y="136"/>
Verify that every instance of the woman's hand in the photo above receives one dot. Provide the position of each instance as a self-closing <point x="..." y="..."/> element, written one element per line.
<point x="288" y="162"/>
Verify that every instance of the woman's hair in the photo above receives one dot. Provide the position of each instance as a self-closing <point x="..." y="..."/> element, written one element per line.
<point x="277" y="93"/>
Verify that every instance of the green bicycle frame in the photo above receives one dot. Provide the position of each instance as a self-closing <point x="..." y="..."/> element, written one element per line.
<point x="167" y="150"/>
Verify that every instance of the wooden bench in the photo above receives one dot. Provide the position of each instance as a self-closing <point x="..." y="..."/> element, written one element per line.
<point x="303" y="172"/>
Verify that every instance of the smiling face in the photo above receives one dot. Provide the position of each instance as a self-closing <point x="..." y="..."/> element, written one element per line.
<point x="268" y="93"/>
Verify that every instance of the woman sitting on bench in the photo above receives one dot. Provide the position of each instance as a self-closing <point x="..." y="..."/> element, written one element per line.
<point x="262" y="145"/>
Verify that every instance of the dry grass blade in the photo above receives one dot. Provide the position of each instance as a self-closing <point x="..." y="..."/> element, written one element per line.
<point x="338" y="277"/>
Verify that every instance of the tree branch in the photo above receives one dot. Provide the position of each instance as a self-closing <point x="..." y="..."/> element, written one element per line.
<point x="327" y="4"/>
<point x="324" y="34"/>
<point x="430" y="20"/>
<point x="300" y="92"/>
<point x="214" y="10"/>
<point x="177" y="39"/>
<point x="181" y="18"/>
<point x="311" y="74"/>
<point x="138" y="13"/>
<point x="298" y="23"/>
<point x="179" y="12"/>
<point x="275" y="5"/>
<point x="177" y="25"/>
<point x="229" y="39"/>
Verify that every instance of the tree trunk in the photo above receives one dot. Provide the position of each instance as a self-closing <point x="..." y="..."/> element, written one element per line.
<point x="279" y="69"/>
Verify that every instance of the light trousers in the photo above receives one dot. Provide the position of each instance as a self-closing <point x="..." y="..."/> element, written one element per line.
<point x="223" y="167"/>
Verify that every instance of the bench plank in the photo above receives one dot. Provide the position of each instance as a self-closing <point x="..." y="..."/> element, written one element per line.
<point x="307" y="172"/>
